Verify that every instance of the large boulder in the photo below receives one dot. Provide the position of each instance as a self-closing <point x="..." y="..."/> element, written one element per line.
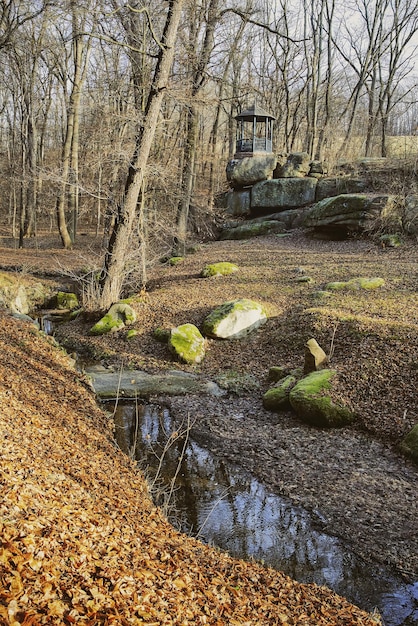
<point x="21" y="294"/>
<point x="235" y="319"/>
<point x="337" y="185"/>
<point x="238" y="202"/>
<point x="250" y="229"/>
<point x="249" y="170"/>
<point x="339" y="215"/>
<point x="115" y="319"/>
<point x="283" y="193"/>
<point x="297" y="166"/>
<point x="187" y="343"/>
<point x="313" y="405"/>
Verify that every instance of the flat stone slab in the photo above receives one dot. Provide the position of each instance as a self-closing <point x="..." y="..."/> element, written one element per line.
<point x="108" y="384"/>
<point x="283" y="193"/>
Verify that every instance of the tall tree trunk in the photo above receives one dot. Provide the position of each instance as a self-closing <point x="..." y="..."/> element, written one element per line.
<point x="193" y="129"/>
<point x="113" y="272"/>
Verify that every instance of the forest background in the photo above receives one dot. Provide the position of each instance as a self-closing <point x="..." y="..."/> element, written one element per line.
<point x="84" y="85"/>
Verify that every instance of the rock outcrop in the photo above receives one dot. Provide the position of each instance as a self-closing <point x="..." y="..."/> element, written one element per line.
<point x="249" y="170"/>
<point x="346" y="213"/>
<point x="283" y="193"/>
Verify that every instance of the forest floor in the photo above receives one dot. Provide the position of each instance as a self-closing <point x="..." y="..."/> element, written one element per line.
<point x="364" y="489"/>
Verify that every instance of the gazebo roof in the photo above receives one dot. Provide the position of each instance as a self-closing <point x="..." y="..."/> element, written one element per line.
<point x="252" y="112"/>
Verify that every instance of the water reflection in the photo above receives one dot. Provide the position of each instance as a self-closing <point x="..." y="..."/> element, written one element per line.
<point x="229" y="508"/>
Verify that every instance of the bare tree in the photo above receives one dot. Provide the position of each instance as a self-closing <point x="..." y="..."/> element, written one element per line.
<point x="113" y="272"/>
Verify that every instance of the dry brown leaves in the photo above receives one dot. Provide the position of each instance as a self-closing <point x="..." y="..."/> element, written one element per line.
<point x="81" y="542"/>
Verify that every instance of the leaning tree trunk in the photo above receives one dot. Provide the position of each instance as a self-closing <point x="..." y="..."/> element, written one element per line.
<point x="113" y="272"/>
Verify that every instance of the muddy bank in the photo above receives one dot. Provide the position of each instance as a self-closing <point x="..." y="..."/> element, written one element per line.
<point x="358" y="489"/>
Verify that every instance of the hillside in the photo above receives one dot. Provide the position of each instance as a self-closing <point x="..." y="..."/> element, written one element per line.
<point x="115" y="544"/>
<point x="80" y="540"/>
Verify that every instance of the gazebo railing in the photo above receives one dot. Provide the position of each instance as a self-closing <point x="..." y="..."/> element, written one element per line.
<point x="254" y="145"/>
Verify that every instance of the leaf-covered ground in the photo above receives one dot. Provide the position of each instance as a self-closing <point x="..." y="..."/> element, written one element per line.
<point x="80" y="541"/>
<point x="355" y="477"/>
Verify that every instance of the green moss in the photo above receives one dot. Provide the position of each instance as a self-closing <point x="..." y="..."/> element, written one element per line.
<point x="336" y="286"/>
<point x="277" y="398"/>
<point x="356" y="284"/>
<point x="175" y="260"/>
<point x="391" y="241"/>
<point x="131" y="333"/>
<point x="162" y="334"/>
<point x="219" y="269"/>
<point x="67" y="301"/>
<point x="118" y="315"/>
<point x="366" y="283"/>
<point x="108" y="323"/>
<point x="187" y="343"/>
<point x="311" y="403"/>
<point x="409" y="445"/>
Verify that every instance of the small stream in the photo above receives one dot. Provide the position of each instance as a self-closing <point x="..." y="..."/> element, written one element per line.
<point x="227" y="507"/>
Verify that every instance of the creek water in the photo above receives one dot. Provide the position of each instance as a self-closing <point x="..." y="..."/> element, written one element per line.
<point x="227" y="507"/>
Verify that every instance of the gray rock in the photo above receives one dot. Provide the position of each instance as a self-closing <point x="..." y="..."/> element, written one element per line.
<point x="347" y="213"/>
<point x="290" y="218"/>
<point x="297" y="166"/>
<point x="337" y="185"/>
<point x="21" y="296"/>
<point x="235" y="319"/>
<point x="249" y="170"/>
<point x="253" y="229"/>
<point x="410" y="217"/>
<point x="135" y="383"/>
<point x="238" y="202"/>
<point x="283" y="193"/>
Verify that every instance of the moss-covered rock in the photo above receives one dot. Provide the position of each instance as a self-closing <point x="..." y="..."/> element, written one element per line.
<point x="356" y="284"/>
<point x="67" y="301"/>
<point x="115" y="319"/>
<point x="235" y="319"/>
<point x="253" y="229"/>
<point x="277" y="398"/>
<point x="312" y="404"/>
<point x="175" y="260"/>
<point x="219" y="269"/>
<point x="162" y="334"/>
<point x="21" y="294"/>
<point x="391" y="241"/>
<point x="409" y="445"/>
<point x="187" y="343"/>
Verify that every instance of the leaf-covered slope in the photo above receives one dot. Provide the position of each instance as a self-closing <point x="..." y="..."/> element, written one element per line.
<point x="80" y="540"/>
